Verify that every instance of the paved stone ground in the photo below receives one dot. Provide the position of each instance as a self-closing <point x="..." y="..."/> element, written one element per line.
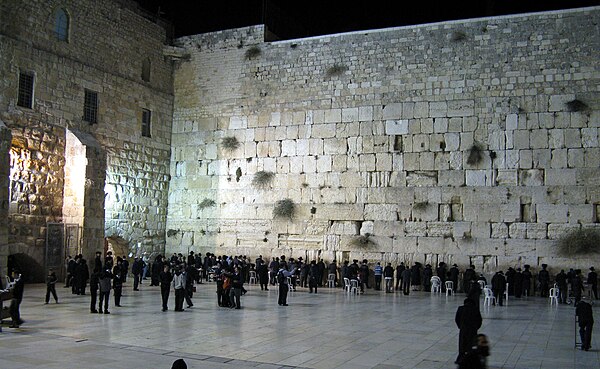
<point x="326" y="330"/>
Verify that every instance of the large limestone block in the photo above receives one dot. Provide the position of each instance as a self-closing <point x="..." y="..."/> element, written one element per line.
<point x="349" y="115"/>
<point x="537" y="231"/>
<point x="405" y="244"/>
<point x="340" y="212"/>
<point x="388" y="228"/>
<point x="460" y="108"/>
<point x="560" y="177"/>
<point x="396" y="127"/>
<point x="558" y="230"/>
<point x="344" y="228"/>
<point x="438" y="109"/>
<point x="415" y="229"/>
<point x="386" y="212"/>
<point x="333" y="116"/>
<point x="323" y="130"/>
<point x="581" y="213"/>
<point x="288" y="147"/>
<point x="392" y="111"/>
<point x="552" y="213"/>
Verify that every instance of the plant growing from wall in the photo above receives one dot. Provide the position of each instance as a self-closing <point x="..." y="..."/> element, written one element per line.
<point x="284" y="209"/>
<point x="576" y="105"/>
<point x="421" y="205"/>
<point x="206" y="203"/>
<point x="458" y="36"/>
<point x="230" y="143"/>
<point x="582" y="241"/>
<point x="253" y="52"/>
<point x="172" y="232"/>
<point x="262" y="179"/>
<point x="335" y="70"/>
<point x="475" y="154"/>
<point x="362" y="241"/>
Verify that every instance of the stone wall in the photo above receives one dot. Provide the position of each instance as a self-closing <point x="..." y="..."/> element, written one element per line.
<point x="110" y="43"/>
<point x="470" y="142"/>
<point x="5" y="139"/>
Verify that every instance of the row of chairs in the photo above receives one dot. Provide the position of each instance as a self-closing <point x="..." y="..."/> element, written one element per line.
<point x="436" y="286"/>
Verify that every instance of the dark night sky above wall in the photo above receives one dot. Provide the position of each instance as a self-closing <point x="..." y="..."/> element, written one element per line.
<point x="296" y="19"/>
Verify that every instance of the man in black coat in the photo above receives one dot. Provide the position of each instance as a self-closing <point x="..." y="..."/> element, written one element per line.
<point x="15" y="303"/>
<point x="165" y="278"/>
<point x="592" y="280"/>
<point x="468" y="320"/>
<point x="585" y="319"/>
<point x="561" y="281"/>
<point x="441" y="272"/>
<point x="453" y="276"/>
<point x="137" y="269"/>
<point x="518" y="283"/>
<point x="469" y="276"/>
<point x="499" y="286"/>
<point x="544" y="279"/>
<point x="527" y="280"/>
<point x="399" y="269"/>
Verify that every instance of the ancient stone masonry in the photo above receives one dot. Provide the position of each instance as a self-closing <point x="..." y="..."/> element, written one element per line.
<point x="104" y="176"/>
<point x="5" y="139"/>
<point x="469" y="141"/>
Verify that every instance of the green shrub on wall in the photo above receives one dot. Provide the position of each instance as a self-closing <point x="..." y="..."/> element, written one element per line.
<point x="582" y="241"/>
<point x="262" y="179"/>
<point x="230" y="143"/>
<point x="284" y="209"/>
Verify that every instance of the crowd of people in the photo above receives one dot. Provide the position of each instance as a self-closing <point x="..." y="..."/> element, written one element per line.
<point x="179" y="273"/>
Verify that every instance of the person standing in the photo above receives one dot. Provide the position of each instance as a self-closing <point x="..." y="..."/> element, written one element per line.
<point x="399" y="270"/>
<point x="179" y="287"/>
<point x="105" y="286"/>
<point x="263" y="276"/>
<point x="51" y="286"/>
<point x="561" y="281"/>
<point x="441" y="272"/>
<point x="282" y="280"/>
<point x="137" y="269"/>
<point x="468" y="277"/>
<point x="406" y="281"/>
<point x="453" y="276"/>
<point x="94" y="284"/>
<point x="527" y="276"/>
<point x="165" y="279"/>
<point x="427" y="274"/>
<point x="118" y="284"/>
<point x="585" y="318"/>
<point x="518" y="283"/>
<point x="97" y="261"/>
<point x="378" y="273"/>
<point x="237" y="282"/>
<point x="592" y="280"/>
<point x="313" y="274"/>
<point x="333" y="270"/>
<point x="468" y="320"/>
<point x="544" y="279"/>
<point x="499" y="286"/>
<point x="388" y="276"/>
<point x="15" y="303"/>
<point x="189" y="276"/>
<point x="70" y="271"/>
<point x="577" y="286"/>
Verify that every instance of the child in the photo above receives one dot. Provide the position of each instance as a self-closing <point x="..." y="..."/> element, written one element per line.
<point x="51" y="286"/>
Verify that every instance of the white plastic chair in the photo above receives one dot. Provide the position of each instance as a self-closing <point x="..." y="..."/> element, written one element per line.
<point x="354" y="286"/>
<point x="252" y="278"/>
<point x="481" y="284"/>
<point x="554" y="295"/>
<point x="436" y="284"/>
<point x="488" y="297"/>
<point x="506" y="294"/>
<point x="331" y="280"/>
<point x="449" y="288"/>
<point x="347" y="285"/>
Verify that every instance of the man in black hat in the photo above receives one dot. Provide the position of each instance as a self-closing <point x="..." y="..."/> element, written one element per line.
<point x="527" y="280"/>
<point x="544" y="279"/>
<point x="592" y="280"/>
<point x="453" y="276"/>
<point x="468" y="320"/>
<point x="585" y="318"/>
<point x="561" y="281"/>
<point x="499" y="286"/>
<point x="518" y="283"/>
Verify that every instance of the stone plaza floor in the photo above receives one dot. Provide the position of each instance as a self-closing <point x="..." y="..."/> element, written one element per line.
<point x="325" y="330"/>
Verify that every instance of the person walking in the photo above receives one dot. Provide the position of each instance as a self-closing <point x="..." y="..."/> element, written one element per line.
<point x="51" y="286"/>
<point x="179" y="286"/>
<point x="15" y="303"/>
<point x="468" y="320"/>
<point x="94" y="285"/>
<point x="585" y="318"/>
<point x="313" y="274"/>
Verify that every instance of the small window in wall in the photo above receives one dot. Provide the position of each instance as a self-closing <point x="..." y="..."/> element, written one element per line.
<point x="90" y="107"/>
<point x="146" y="122"/>
<point x="25" y="96"/>
<point x="146" y="65"/>
<point x="61" y="25"/>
